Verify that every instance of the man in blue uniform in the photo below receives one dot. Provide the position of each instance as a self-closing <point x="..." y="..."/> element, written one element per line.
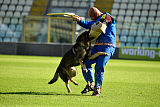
<point x="104" y="43"/>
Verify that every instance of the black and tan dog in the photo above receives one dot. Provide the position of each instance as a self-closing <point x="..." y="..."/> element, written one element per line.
<point x="75" y="56"/>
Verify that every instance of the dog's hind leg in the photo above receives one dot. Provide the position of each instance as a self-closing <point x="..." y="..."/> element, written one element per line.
<point x="74" y="82"/>
<point x="67" y="86"/>
<point x="97" y="54"/>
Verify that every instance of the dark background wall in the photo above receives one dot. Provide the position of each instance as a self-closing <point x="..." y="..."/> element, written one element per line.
<point x="37" y="49"/>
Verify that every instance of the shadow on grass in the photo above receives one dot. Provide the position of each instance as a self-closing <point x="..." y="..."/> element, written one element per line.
<point x="41" y="93"/>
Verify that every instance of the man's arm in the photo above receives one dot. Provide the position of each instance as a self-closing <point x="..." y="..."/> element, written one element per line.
<point x="84" y="23"/>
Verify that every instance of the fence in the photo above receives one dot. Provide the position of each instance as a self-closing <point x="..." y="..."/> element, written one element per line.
<point x="48" y="29"/>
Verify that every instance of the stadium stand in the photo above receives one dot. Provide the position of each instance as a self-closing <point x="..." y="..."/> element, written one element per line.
<point x="138" y="20"/>
<point x="11" y="14"/>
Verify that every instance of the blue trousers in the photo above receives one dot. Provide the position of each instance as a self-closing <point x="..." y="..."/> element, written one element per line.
<point x="100" y="61"/>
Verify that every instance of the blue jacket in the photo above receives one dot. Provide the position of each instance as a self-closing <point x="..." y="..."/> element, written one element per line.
<point x="109" y="36"/>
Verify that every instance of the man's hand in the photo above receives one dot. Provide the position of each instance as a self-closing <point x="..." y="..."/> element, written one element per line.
<point x="76" y="18"/>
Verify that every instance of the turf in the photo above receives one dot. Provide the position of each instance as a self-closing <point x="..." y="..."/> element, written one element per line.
<point x="127" y="83"/>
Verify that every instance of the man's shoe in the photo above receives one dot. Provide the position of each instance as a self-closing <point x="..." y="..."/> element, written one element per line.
<point x="96" y="92"/>
<point x="87" y="89"/>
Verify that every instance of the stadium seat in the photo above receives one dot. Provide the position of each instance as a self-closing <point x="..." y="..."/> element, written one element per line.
<point x="134" y="26"/>
<point x="140" y="1"/>
<point x="21" y="2"/>
<point x="151" y="20"/>
<point x="158" y="20"/>
<point x="122" y="13"/>
<point x="149" y="26"/>
<point x="132" y="32"/>
<point x="6" y="2"/>
<point x="153" y="6"/>
<point x="157" y="26"/>
<point x="76" y="3"/>
<point x="6" y="40"/>
<point x="126" y="25"/>
<point x="130" y="39"/>
<point x="19" y="8"/>
<point x="14" y="20"/>
<point x="153" y="45"/>
<point x="144" y="13"/>
<point x="29" y="2"/>
<point x="141" y="26"/>
<point x="155" y="1"/>
<point x="9" y="34"/>
<point x="156" y="33"/>
<point x="6" y="20"/>
<point x="4" y="7"/>
<point x="138" y="39"/>
<point x="138" y="6"/>
<point x="2" y="33"/>
<point x="123" y="6"/>
<point x="15" y="2"/>
<point x="137" y="13"/>
<point x="145" y="6"/>
<point x="17" y="34"/>
<point x="123" y="39"/>
<point x="146" y="40"/>
<point x="148" y="32"/>
<point x="12" y="8"/>
<point x="137" y="44"/>
<point x="3" y="27"/>
<point x="2" y="13"/>
<point x="122" y="44"/>
<point x="152" y="13"/>
<point x="158" y="13"/>
<point x="83" y="4"/>
<point x="147" y="1"/>
<point x="115" y="6"/>
<point x="68" y="3"/>
<point x="26" y="8"/>
<point x="9" y="14"/>
<point x="114" y="11"/>
<point x="154" y="40"/>
<point x="143" y="19"/>
<point x="129" y="44"/>
<point x="135" y="19"/>
<point x="124" y="32"/>
<point x="120" y="18"/>
<point x="145" y="45"/>
<point x="24" y="14"/>
<point x="129" y="13"/>
<point x="19" y="28"/>
<point x="124" y="1"/>
<point x="17" y="14"/>
<point x="127" y="19"/>
<point x="12" y="27"/>
<point x="119" y="25"/>
<point x="14" y="39"/>
<point x="131" y="6"/>
<point x="20" y="21"/>
<point x="61" y="3"/>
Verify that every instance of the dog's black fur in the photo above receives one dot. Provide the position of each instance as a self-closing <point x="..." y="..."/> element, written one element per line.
<point x="72" y="57"/>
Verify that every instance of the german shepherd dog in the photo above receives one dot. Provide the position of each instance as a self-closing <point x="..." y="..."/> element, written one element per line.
<point x="73" y="57"/>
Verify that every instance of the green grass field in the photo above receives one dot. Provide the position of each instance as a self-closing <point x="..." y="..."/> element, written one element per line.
<point x="127" y="83"/>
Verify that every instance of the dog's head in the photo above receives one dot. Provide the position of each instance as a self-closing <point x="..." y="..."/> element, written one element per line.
<point x="84" y="37"/>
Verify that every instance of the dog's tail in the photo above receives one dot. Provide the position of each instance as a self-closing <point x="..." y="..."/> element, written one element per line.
<point x="55" y="78"/>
